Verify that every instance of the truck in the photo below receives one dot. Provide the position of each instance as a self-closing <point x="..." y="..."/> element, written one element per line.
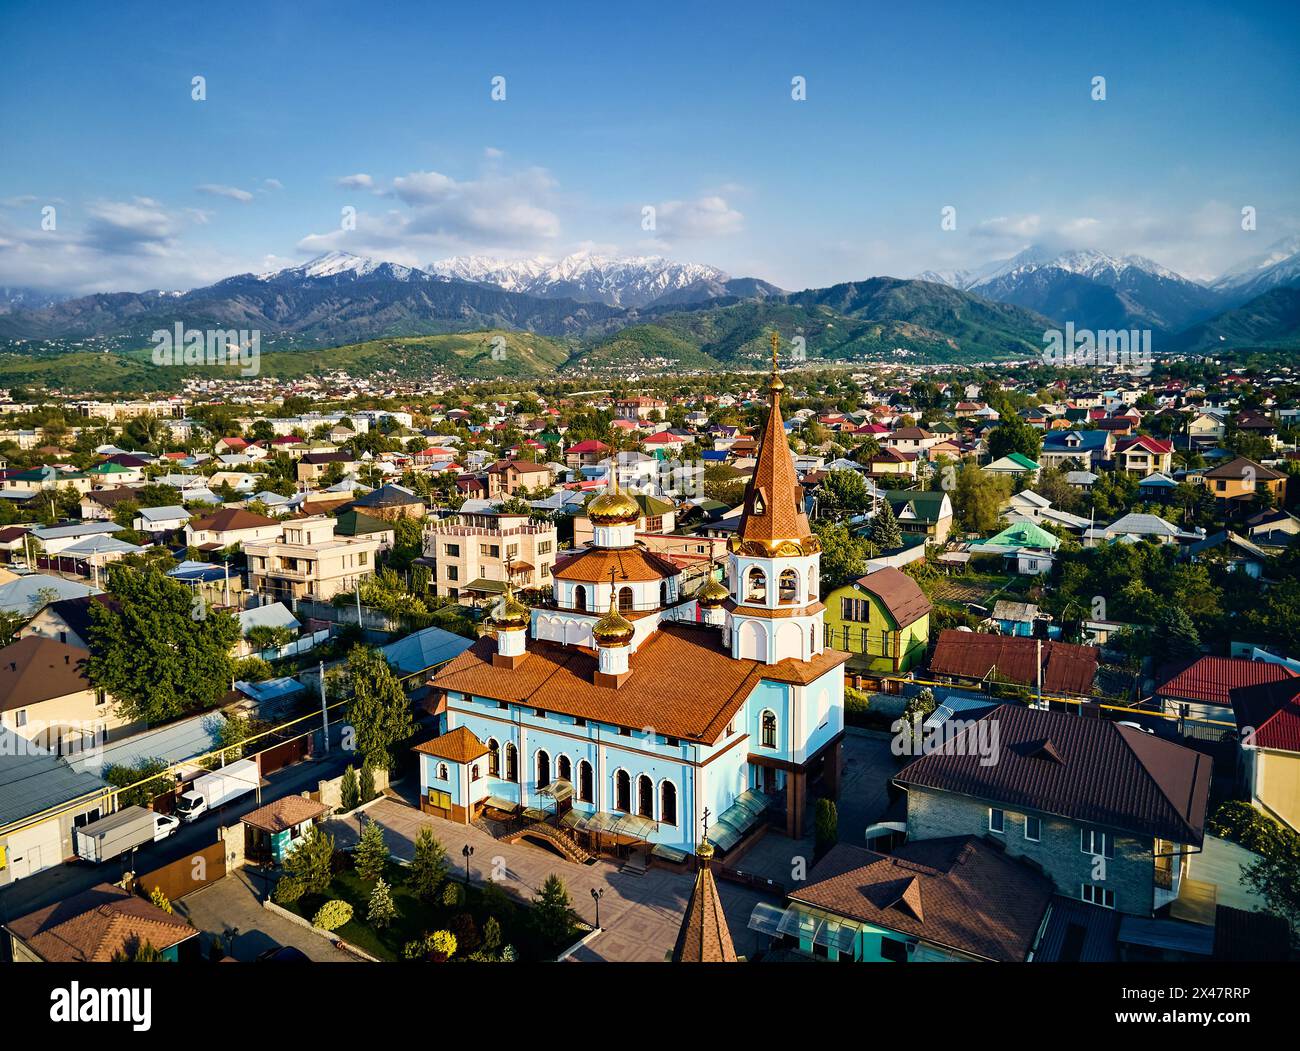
<point x="131" y="827"/>
<point x="210" y="791"/>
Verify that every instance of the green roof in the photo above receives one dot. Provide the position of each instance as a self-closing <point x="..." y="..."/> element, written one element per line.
<point x="926" y="505"/>
<point x="1024" y="534"/>
<point x="1023" y="460"/>
<point x="354" y="523"/>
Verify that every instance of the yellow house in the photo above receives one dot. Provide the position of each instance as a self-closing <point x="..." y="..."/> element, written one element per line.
<point x="1268" y="718"/>
<point x="883" y="618"/>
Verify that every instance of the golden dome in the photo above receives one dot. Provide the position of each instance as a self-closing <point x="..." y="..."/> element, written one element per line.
<point x="713" y="594"/>
<point x="613" y="506"/>
<point x="613" y="629"/>
<point x="509" y="614"/>
<point x="705" y="850"/>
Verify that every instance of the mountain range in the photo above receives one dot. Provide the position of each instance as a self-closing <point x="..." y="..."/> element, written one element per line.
<point x="651" y="312"/>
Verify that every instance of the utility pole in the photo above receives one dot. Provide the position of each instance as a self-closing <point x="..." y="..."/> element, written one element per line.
<point x="324" y="714"/>
<point x="1038" y="669"/>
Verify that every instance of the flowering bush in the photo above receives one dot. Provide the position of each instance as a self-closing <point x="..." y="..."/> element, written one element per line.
<point x="333" y="915"/>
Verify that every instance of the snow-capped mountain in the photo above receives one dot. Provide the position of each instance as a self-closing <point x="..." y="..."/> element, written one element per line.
<point x="343" y="265"/>
<point x="1091" y="288"/>
<point x="1278" y="266"/>
<point x="633" y="281"/>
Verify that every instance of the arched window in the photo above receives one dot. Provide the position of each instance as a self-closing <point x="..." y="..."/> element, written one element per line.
<point x="769" y="729"/>
<point x="622" y="791"/>
<point x="442" y="771"/>
<point x="645" y="796"/>
<point x="585" y="782"/>
<point x="756" y="585"/>
<point x="788" y="589"/>
<point x="812" y="582"/>
<point x="473" y="772"/>
<point x="579" y="597"/>
<point x="564" y="768"/>
<point x="543" y="769"/>
<point x="663" y="593"/>
<point x="668" y="803"/>
<point x="625" y="600"/>
<point x="494" y="757"/>
<point x="512" y="762"/>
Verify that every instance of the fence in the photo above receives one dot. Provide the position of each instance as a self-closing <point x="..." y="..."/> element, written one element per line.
<point x="188" y="874"/>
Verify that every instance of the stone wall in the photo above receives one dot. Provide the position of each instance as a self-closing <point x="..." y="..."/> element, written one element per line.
<point x="331" y="792"/>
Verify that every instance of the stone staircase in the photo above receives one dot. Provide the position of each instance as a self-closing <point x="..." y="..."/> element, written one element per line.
<point x="561" y="839"/>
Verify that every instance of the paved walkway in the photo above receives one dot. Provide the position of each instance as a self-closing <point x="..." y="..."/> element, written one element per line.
<point x="641" y="914"/>
<point x="235" y="902"/>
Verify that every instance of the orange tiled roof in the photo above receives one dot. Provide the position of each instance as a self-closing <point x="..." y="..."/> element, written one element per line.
<point x="629" y="563"/>
<point x="93" y="926"/>
<point x="285" y="812"/>
<point x="775" y="486"/>
<point x="459" y="746"/>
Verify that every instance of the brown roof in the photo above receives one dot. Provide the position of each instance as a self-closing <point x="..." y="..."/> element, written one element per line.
<point x="1067" y="668"/>
<point x="91" y="927"/>
<point x="775" y="481"/>
<point x="684" y="683"/>
<point x="1089" y="770"/>
<point x="593" y="564"/>
<point x="285" y="812"/>
<point x="459" y="745"/>
<point x="705" y="936"/>
<point x="1242" y="467"/>
<point x="37" y="669"/>
<point x="232" y="518"/>
<point x="111" y="496"/>
<point x="898" y="593"/>
<point x="957" y="892"/>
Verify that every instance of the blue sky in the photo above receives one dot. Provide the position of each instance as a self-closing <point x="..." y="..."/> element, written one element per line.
<point x="686" y="108"/>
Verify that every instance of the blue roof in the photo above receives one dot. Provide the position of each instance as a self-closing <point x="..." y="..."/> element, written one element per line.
<point x="424" y="649"/>
<point x="1089" y="441"/>
<point x="714" y="454"/>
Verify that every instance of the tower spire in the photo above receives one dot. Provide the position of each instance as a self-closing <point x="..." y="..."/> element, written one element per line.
<point x="775" y="384"/>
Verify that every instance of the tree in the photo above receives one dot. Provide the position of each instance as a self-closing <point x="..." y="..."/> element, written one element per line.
<point x="429" y="866"/>
<point x="843" y="491"/>
<point x="350" y="792"/>
<point x="826" y="826"/>
<point x="552" y="911"/>
<point x="977" y="498"/>
<point x="1175" y="636"/>
<point x="160" y="653"/>
<point x="371" y="854"/>
<point x="160" y="899"/>
<point x="139" y="952"/>
<point x="309" y="868"/>
<point x="382" y="910"/>
<point x="366" y="781"/>
<point x="380" y="712"/>
<point x="885" y="533"/>
<point x="492" y="934"/>
<point x="844" y="556"/>
<point x="1014" y="435"/>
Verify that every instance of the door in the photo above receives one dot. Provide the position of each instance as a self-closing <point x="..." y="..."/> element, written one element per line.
<point x="34" y="849"/>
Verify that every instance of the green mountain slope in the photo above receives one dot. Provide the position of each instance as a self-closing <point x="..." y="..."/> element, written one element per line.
<point x="1270" y="321"/>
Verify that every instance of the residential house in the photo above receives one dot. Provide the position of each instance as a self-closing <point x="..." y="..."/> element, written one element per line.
<point x="161" y="520"/>
<point x="1109" y="813"/>
<point x="1014" y="465"/>
<point x="391" y="502"/>
<point x="1071" y="449"/>
<point x="97" y="926"/>
<point x="468" y="554"/>
<point x="508" y="477"/>
<point x="927" y="513"/>
<point x="586" y="453"/>
<point x="957" y="899"/>
<point x="883" y="619"/>
<point x="274" y="831"/>
<point x="1198" y="691"/>
<point x="1241" y="478"/>
<point x="309" y="561"/>
<point x="67" y="620"/>
<point x="973" y="657"/>
<point x="1268" y="724"/>
<point x="46" y="698"/>
<point x="311" y="467"/>
<point x="1141" y="455"/>
<point x="229" y="527"/>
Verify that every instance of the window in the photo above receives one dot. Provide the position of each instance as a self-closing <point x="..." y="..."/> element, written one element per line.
<point x="474" y="772"/>
<point x="579" y="597"/>
<point x="645" y="796"/>
<point x="622" y="791"/>
<point x="625" y="600"/>
<point x="585" y="782"/>
<point x="512" y="762"/>
<point x="442" y="772"/>
<point x="668" y="803"/>
<point x="363" y="558"/>
<point x="1096" y="894"/>
<point x="769" y="729"/>
<point x="494" y="757"/>
<point x="788" y="586"/>
<point x="20" y="717"/>
<point x="439" y="800"/>
<point x="453" y="573"/>
<point x="543" y="769"/>
<point x="1096" y="843"/>
<point x="997" y="820"/>
<point x="512" y="551"/>
<point x="544" y="548"/>
<point x="453" y="550"/>
<point x="855" y="609"/>
<point x="1033" y="828"/>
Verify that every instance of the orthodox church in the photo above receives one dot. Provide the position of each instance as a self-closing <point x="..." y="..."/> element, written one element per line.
<point x="625" y="709"/>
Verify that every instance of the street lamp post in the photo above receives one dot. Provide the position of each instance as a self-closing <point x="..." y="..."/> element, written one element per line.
<point x="596" y="895"/>
<point x="468" y="851"/>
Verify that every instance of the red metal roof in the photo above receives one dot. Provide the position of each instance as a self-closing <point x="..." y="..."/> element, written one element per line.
<point x="968" y="655"/>
<point x="1268" y="714"/>
<point x="1211" y="679"/>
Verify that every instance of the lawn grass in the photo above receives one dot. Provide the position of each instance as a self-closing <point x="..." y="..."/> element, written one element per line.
<point x="416" y="918"/>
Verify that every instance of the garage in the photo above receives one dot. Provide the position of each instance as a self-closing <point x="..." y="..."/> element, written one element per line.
<point x="33" y="849"/>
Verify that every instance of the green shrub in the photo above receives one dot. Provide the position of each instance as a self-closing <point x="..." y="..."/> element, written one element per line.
<point x="350" y="789"/>
<point x="288" y="890"/>
<point x="332" y="915"/>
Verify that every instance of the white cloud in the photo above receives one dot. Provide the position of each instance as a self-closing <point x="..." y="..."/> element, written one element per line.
<point x="233" y="193"/>
<point x="359" y="181"/>
<point x="709" y="216"/>
<point x="272" y="184"/>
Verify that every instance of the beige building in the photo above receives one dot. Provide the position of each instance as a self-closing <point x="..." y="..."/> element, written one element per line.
<point x="46" y="698"/>
<point x="310" y="561"/>
<point x="468" y="554"/>
<point x="230" y="526"/>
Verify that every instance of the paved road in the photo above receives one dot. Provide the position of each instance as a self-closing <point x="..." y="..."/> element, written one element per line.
<point x="63" y="881"/>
